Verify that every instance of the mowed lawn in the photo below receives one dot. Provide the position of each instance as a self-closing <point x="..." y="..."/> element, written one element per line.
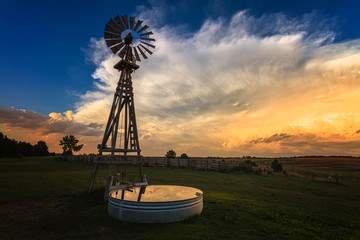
<point x="41" y="198"/>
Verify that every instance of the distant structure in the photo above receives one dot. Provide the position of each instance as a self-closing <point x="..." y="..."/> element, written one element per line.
<point x="130" y="40"/>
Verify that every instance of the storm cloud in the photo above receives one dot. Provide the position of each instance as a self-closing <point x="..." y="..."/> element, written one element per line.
<point x="237" y="84"/>
<point x="54" y="123"/>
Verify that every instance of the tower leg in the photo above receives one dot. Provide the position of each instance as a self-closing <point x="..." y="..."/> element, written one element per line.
<point x="93" y="176"/>
<point x="121" y="120"/>
<point x="108" y="183"/>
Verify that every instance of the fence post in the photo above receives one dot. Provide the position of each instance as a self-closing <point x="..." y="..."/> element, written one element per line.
<point x="337" y="179"/>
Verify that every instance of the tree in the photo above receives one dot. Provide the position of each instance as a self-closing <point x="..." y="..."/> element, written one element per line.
<point x="170" y="154"/>
<point x="13" y="148"/>
<point x="41" y="149"/>
<point x="70" y="144"/>
<point x="184" y="156"/>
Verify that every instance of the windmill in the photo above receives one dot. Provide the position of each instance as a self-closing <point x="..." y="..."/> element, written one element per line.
<point x="131" y="41"/>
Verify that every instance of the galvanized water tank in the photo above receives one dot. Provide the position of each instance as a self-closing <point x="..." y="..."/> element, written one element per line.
<point x="159" y="203"/>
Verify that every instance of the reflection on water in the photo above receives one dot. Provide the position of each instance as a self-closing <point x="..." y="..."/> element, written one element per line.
<point x="159" y="193"/>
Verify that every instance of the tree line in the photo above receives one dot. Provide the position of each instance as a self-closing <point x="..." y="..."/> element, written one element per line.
<point x="12" y="148"/>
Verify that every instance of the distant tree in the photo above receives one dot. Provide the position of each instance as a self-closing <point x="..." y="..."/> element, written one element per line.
<point x="12" y="148"/>
<point x="184" y="156"/>
<point x="24" y="149"/>
<point x="170" y="154"/>
<point x="276" y="166"/>
<point x="41" y="149"/>
<point x="69" y="144"/>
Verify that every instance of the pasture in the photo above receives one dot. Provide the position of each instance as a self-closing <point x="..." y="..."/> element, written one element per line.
<point x="42" y="198"/>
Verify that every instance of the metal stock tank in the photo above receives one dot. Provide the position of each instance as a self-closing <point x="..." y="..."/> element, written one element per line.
<point x="159" y="203"/>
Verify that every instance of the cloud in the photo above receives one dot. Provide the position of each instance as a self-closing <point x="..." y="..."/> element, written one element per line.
<point x="246" y="85"/>
<point x="31" y="126"/>
<point x="233" y="80"/>
<point x="331" y="135"/>
<point x="54" y="123"/>
<point x="274" y="138"/>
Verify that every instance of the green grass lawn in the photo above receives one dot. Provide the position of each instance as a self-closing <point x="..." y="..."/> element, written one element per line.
<point x="41" y="198"/>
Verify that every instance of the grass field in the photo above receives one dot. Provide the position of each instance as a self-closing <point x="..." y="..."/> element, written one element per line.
<point x="347" y="169"/>
<point x="46" y="199"/>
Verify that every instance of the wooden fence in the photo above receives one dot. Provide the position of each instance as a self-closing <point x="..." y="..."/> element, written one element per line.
<point x="211" y="164"/>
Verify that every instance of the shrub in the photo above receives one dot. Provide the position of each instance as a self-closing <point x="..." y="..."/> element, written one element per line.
<point x="243" y="168"/>
<point x="276" y="166"/>
<point x="251" y="163"/>
<point x="258" y="171"/>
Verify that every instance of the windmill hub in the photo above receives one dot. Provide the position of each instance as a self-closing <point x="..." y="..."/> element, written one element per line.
<point x="128" y="39"/>
<point x="135" y="41"/>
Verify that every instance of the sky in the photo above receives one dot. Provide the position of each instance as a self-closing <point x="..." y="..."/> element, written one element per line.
<point x="227" y="78"/>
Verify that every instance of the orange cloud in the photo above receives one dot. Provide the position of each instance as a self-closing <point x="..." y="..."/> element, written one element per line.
<point x="32" y="127"/>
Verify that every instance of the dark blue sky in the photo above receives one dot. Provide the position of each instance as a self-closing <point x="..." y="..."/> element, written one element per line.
<point x="42" y="59"/>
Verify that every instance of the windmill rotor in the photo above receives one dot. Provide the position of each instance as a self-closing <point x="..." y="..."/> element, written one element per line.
<point x="128" y="38"/>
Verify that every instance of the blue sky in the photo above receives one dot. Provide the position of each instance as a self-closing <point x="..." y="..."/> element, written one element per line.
<point x="48" y="65"/>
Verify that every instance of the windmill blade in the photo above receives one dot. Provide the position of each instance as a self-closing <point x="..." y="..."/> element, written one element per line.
<point x="111" y="42"/>
<point x="126" y="21"/>
<point x="111" y="36"/>
<point x="139" y="22"/>
<point x="150" y="45"/>
<point x="143" y="28"/>
<point x="132" y="21"/>
<point x="113" y="24"/>
<point x="142" y="53"/>
<point x="148" y="33"/>
<point x="119" y="22"/>
<point x="116" y="48"/>
<point x="148" y="39"/>
<point x="108" y="28"/>
<point x="136" y="55"/>
<point x="150" y="52"/>
<point x="123" y="51"/>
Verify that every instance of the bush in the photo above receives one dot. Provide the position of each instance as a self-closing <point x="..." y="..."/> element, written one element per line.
<point x="276" y="166"/>
<point x="247" y="167"/>
<point x="243" y="168"/>
<point x="258" y="171"/>
<point x="251" y="163"/>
